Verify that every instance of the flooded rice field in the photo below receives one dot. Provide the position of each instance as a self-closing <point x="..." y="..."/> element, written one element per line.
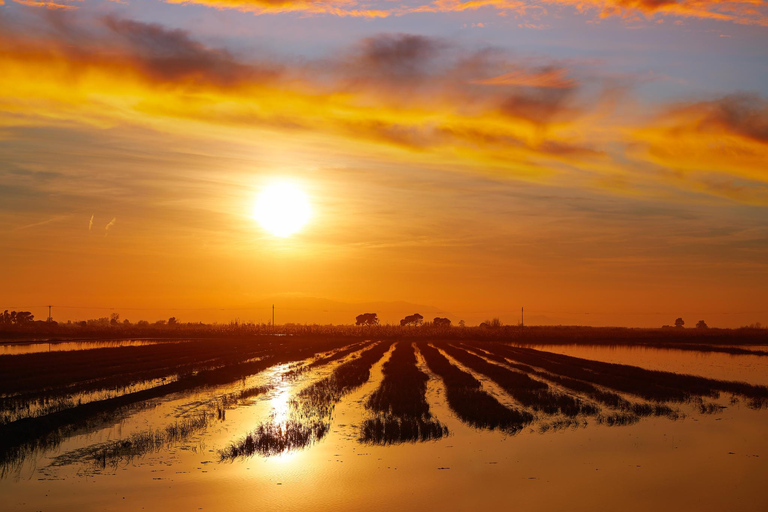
<point x="747" y="368"/>
<point x="311" y="424"/>
<point x="33" y="347"/>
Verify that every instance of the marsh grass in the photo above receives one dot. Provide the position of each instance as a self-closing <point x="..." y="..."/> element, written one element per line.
<point x="147" y="442"/>
<point x="587" y="389"/>
<point x="467" y="399"/>
<point x="55" y="373"/>
<point x="36" y="405"/>
<point x="324" y="359"/>
<point x="652" y="385"/>
<point x="137" y="445"/>
<point x="528" y="392"/>
<point x="23" y="437"/>
<point x="400" y="403"/>
<point x="311" y="411"/>
<point x="560" y="424"/>
<point x="271" y="439"/>
<point x="320" y="398"/>
<point x="402" y="391"/>
<point x="617" y="419"/>
<point x="389" y="429"/>
<point x="41" y="405"/>
<point x="696" y="347"/>
<point x="579" y="386"/>
<point x="339" y="354"/>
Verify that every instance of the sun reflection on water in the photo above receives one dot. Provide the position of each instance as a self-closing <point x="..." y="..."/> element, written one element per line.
<point x="281" y="405"/>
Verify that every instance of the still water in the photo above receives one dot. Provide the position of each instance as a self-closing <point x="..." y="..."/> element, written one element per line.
<point x="711" y="462"/>
<point x="714" y="365"/>
<point x="15" y="349"/>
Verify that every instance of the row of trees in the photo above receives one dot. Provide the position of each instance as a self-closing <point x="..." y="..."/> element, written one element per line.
<point x="26" y="318"/>
<point x="680" y="324"/>
<point x="8" y="318"/>
<point x="114" y="321"/>
<point x="416" y="319"/>
<point x="16" y="318"/>
<point x="410" y="320"/>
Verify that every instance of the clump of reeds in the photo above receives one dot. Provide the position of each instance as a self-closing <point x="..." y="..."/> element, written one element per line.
<point x="275" y="438"/>
<point x="710" y="408"/>
<point x="654" y="409"/>
<point x="561" y="424"/>
<point x="238" y="396"/>
<point x="145" y="442"/>
<point x="618" y="419"/>
<point x="388" y="429"/>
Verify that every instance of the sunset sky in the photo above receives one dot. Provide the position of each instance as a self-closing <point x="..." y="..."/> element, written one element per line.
<point x="600" y="162"/>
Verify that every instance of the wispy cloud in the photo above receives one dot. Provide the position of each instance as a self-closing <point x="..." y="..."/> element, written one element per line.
<point x="41" y="223"/>
<point x="555" y="78"/>
<point x="719" y="146"/>
<point x="746" y="12"/>
<point x="751" y="12"/>
<point x="90" y="223"/>
<point x="110" y="225"/>
<point x="485" y="110"/>
<point x="54" y="6"/>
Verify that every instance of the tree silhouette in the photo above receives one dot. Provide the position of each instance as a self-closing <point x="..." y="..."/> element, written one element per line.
<point x="16" y="317"/>
<point x="701" y="324"/>
<point x="441" y="322"/>
<point x="414" y="319"/>
<point x="679" y="323"/>
<point x="367" y="319"/>
<point x="491" y="324"/>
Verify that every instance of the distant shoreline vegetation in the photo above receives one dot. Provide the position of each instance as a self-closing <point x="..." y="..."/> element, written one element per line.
<point x="105" y="328"/>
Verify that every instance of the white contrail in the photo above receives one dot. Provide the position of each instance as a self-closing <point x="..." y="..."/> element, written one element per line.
<point x="90" y="224"/>
<point x="109" y="226"/>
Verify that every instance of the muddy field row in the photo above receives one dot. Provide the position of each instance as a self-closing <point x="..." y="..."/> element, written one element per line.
<point x="487" y="385"/>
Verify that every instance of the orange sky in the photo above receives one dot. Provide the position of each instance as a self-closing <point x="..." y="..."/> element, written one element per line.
<point x="461" y="176"/>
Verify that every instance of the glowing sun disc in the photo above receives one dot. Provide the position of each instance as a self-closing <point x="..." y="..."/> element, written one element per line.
<point x="282" y="209"/>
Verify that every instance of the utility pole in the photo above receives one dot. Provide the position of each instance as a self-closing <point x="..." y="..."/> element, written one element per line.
<point x="522" y="317"/>
<point x="50" y="317"/>
<point x="273" y="316"/>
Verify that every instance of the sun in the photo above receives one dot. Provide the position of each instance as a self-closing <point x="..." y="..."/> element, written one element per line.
<point x="282" y="209"/>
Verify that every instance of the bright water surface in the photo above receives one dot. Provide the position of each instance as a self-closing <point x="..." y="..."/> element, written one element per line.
<point x="700" y="462"/>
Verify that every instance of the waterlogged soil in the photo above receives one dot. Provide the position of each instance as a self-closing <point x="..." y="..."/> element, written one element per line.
<point x="706" y="462"/>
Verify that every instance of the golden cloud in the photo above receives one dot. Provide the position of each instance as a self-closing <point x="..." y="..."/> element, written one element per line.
<point x="420" y="100"/>
<point x="555" y="78"/>
<point x="736" y="11"/>
<point x="727" y="136"/>
<point x="55" y="6"/>
<point x="750" y="12"/>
